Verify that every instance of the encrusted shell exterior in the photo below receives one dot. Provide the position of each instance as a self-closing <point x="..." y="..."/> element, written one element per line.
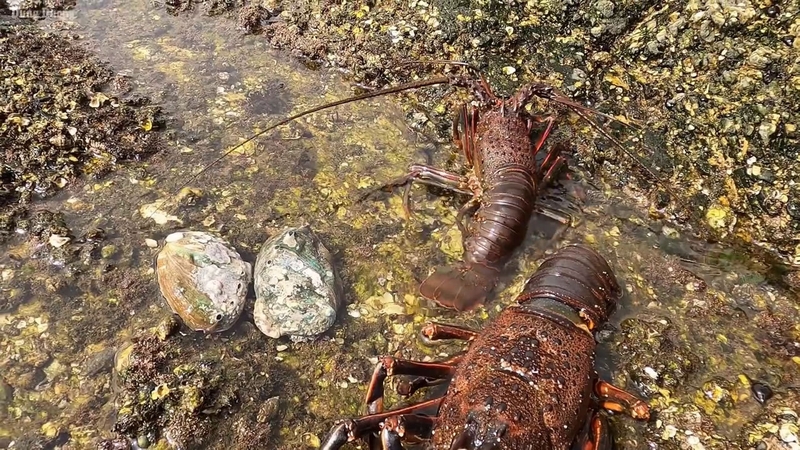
<point x="298" y="291"/>
<point x="203" y="279"/>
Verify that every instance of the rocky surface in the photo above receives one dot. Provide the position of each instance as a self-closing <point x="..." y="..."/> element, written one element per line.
<point x="700" y="332"/>
<point x="712" y="84"/>
<point x="63" y="115"/>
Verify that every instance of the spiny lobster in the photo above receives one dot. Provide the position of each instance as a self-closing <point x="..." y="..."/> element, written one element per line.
<point x="527" y="381"/>
<point x="507" y="175"/>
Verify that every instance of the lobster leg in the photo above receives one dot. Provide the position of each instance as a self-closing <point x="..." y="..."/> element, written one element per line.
<point x="436" y="331"/>
<point x="389" y="366"/>
<point x="552" y="162"/>
<point x="406" y="426"/>
<point x="469" y="206"/>
<point x="549" y="121"/>
<point x="407" y="388"/>
<point x="352" y="429"/>
<point x="598" y="437"/>
<point x="430" y="176"/>
<point x="615" y="399"/>
<point x="553" y="170"/>
<point x="559" y="216"/>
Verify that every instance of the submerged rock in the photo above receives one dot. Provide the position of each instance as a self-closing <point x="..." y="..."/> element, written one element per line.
<point x="203" y="280"/>
<point x="297" y="289"/>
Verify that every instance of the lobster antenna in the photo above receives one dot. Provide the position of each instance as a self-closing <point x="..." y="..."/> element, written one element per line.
<point x="580" y="112"/>
<point x="552" y="95"/>
<point x="469" y="66"/>
<point x="391" y="90"/>
<point x="575" y="106"/>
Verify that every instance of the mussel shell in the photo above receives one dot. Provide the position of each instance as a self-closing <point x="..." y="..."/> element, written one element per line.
<point x="203" y="279"/>
<point x="298" y="291"/>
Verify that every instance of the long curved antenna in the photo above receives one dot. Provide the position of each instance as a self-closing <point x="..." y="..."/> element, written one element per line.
<point x="548" y="92"/>
<point x="469" y="66"/>
<point x="618" y="144"/>
<point x="391" y="90"/>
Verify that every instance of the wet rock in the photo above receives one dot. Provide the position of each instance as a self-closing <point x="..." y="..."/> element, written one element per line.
<point x="298" y="291"/>
<point x="203" y="279"/>
<point x="777" y="427"/>
<point x="138" y="362"/>
<point x="653" y="354"/>
<point x="252" y="18"/>
<point x="99" y="362"/>
<point x="44" y="225"/>
<point x="6" y="392"/>
<point x="50" y="134"/>
<point x="715" y="394"/>
<point x="793" y="279"/>
<point x="249" y="435"/>
<point x="114" y="444"/>
<point x="187" y="431"/>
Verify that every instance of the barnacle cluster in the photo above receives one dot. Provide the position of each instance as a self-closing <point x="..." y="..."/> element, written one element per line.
<point x="61" y="117"/>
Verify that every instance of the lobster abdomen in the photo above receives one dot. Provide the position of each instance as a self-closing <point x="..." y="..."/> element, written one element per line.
<point x="498" y="227"/>
<point x="500" y="224"/>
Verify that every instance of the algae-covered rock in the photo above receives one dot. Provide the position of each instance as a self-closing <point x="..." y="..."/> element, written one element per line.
<point x="655" y="356"/>
<point x="777" y="427"/>
<point x="203" y="280"/>
<point x="297" y="288"/>
<point x="49" y="131"/>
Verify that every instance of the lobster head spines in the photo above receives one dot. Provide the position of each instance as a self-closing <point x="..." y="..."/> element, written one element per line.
<point x="578" y="277"/>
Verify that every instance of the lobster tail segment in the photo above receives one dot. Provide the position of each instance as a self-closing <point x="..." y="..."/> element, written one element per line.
<point x="578" y="277"/>
<point x="461" y="286"/>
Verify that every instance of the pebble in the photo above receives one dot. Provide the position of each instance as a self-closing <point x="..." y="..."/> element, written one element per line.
<point x="7" y="274"/>
<point x="58" y="241"/>
<point x="108" y="251"/>
<point x="761" y="392"/>
<point x="152" y="243"/>
<point x="788" y="432"/>
<point x="268" y="411"/>
<point x="166" y="328"/>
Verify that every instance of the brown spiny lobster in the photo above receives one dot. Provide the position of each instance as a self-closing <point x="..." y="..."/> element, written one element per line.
<point x="504" y="184"/>
<point x="527" y="381"/>
<point x="507" y="176"/>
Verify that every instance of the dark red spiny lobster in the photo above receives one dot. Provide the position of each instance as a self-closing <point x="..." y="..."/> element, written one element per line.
<point x="507" y="175"/>
<point x="527" y="381"/>
<point x="504" y="184"/>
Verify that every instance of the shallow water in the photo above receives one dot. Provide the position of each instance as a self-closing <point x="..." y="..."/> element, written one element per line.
<point x="713" y="305"/>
